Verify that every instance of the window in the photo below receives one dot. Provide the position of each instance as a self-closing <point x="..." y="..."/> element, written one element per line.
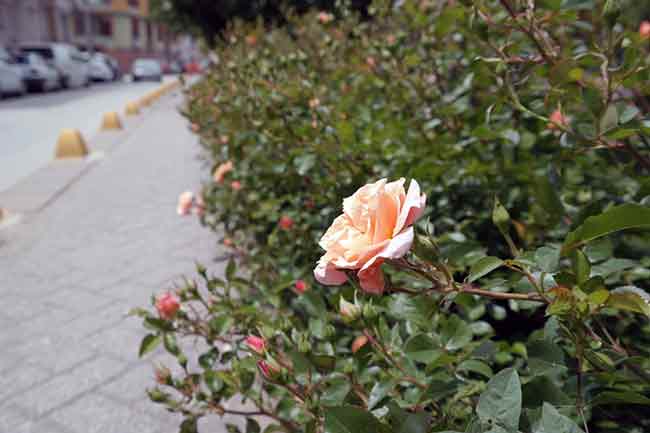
<point x="134" y="3"/>
<point x="79" y="23"/>
<point x="135" y="27"/>
<point x="104" y="25"/>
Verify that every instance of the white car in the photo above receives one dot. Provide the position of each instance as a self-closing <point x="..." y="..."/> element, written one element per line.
<point x="11" y="75"/>
<point x="67" y="59"/>
<point x="100" y="69"/>
<point x="37" y="74"/>
<point x="146" y="69"/>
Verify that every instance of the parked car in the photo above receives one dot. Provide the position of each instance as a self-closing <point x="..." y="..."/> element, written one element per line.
<point x="114" y="65"/>
<point x="68" y="61"/>
<point x="146" y="69"/>
<point x="11" y="75"/>
<point x="100" y="69"/>
<point x="38" y="75"/>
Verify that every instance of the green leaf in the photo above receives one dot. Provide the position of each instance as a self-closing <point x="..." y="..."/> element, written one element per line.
<point x="554" y="422"/>
<point x="629" y="113"/>
<point x="169" y="341"/>
<point x="581" y="266"/>
<point x="231" y="269"/>
<point x="476" y="366"/>
<point x="622" y="397"/>
<point x="547" y="258"/>
<point x="304" y="163"/>
<point x="484" y="267"/>
<point x="422" y="348"/>
<point x="189" y="425"/>
<point x="501" y="217"/>
<point x="222" y="324"/>
<point x="609" y="119"/>
<point x="630" y="298"/>
<point x="149" y="343"/>
<point x="500" y="403"/>
<point x="379" y="390"/>
<point x="546" y="194"/>
<point x="336" y="389"/>
<point x="349" y="419"/>
<point x="455" y="333"/>
<point x="618" y="218"/>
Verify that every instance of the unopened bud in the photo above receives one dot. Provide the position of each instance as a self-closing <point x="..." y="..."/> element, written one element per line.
<point x="349" y="311"/>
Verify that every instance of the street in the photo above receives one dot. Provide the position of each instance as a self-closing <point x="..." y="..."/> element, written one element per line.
<point x="30" y="124"/>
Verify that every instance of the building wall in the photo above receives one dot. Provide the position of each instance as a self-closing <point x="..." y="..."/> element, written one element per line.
<point x="25" y="20"/>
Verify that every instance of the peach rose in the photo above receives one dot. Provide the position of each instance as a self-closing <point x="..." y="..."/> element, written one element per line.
<point x="235" y="185"/>
<point x="557" y="118"/>
<point x="221" y="171"/>
<point x="375" y="225"/>
<point x="167" y="305"/>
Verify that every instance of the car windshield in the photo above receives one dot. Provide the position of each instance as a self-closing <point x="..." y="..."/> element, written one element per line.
<point x="46" y="53"/>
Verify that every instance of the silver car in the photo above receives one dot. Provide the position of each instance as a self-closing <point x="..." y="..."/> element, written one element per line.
<point x="146" y="69"/>
<point x="11" y="75"/>
<point x="38" y="75"/>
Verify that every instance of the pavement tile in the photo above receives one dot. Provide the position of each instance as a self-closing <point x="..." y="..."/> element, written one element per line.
<point x="20" y="378"/>
<point x="95" y="413"/>
<point x="79" y="300"/>
<point x="64" y="388"/>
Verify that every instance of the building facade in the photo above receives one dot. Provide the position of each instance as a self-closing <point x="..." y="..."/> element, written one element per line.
<point x="121" y="28"/>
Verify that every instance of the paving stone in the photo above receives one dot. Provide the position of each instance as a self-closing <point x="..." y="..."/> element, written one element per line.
<point x="97" y="414"/>
<point x="79" y="300"/>
<point x="61" y="389"/>
<point x="20" y="378"/>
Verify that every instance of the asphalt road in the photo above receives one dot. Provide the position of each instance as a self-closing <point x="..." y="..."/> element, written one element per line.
<point x="29" y="125"/>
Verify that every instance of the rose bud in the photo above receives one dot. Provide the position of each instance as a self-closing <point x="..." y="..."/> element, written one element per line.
<point x="251" y="40"/>
<point x="228" y="242"/>
<point x="301" y="286"/>
<point x="224" y="139"/>
<point x="195" y="127"/>
<point x="370" y="61"/>
<point x="313" y="103"/>
<point x="644" y="30"/>
<point x="557" y="118"/>
<point x="349" y="311"/>
<point x="221" y="171"/>
<point x="167" y="305"/>
<point x="325" y="18"/>
<point x="163" y="375"/>
<point x="268" y="369"/>
<point x="286" y="223"/>
<point x="185" y="202"/>
<point x="358" y="343"/>
<point x="235" y="185"/>
<point x="256" y="344"/>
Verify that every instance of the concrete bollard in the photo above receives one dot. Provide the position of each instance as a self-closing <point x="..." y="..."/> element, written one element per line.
<point x="111" y="121"/>
<point x="132" y="109"/>
<point x="71" y="144"/>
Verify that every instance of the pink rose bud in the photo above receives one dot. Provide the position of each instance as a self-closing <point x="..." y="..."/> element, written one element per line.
<point x="257" y="344"/>
<point x="162" y="374"/>
<point x="370" y="61"/>
<point x="644" y="30"/>
<point x="301" y="286"/>
<point x="224" y="139"/>
<point x="314" y="103"/>
<point x="251" y="40"/>
<point x="221" y="171"/>
<point x="195" y="127"/>
<point x="235" y="185"/>
<point x="167" y="305"/>
<point x="358" y="343"/>
<point x="557" y="118"/>
<point x="325" y="18"/>
<point x="286" y="223"/>
<point x="268" y="369"/>
<point x="185" y="202"/>
<point x="228" y="242"/>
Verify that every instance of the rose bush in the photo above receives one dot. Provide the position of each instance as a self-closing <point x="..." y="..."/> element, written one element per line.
<point x="517" y="301"/>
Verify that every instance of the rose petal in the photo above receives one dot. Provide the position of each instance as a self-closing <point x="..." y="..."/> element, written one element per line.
<point x="412" y="208"/>
<point x="326" y="273"/>
<point x="371" y="279"/>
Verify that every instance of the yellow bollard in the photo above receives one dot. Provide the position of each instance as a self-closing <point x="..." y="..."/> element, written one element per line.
<point x="132" y="109"/>
<point x="111" y="121"/>
<point x="71" y="144"/>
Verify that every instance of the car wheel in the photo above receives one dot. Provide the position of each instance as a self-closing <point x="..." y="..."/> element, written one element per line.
<point x="64" y="82"/>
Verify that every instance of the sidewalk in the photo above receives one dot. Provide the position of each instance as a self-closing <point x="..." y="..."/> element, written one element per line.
<point x="69" y="272"/>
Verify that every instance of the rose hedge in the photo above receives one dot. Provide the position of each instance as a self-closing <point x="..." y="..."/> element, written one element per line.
<point x="521" y="302"/>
